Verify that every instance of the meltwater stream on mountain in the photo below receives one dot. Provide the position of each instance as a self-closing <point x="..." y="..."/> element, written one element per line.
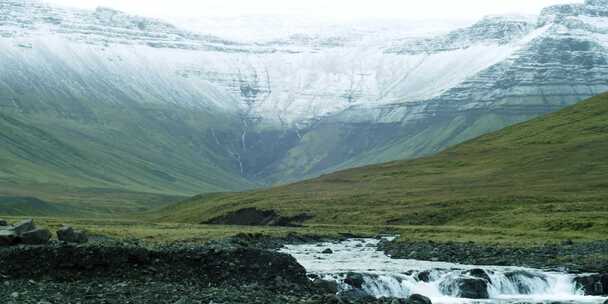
<point x="399" y="278"/>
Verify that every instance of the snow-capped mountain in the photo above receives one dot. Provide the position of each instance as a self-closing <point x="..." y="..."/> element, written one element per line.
<point x="310" y="102"/>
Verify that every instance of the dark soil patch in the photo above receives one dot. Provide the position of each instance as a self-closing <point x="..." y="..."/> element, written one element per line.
<point x="257" y="217"/>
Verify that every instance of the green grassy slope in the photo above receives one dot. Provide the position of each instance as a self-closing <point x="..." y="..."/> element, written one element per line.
<point x="128" y="151"/>
<point x="548" y="174"/>
<point x="145" y="151"/>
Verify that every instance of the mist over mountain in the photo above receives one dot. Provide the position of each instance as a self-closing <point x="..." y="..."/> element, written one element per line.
<point x="103" y="99"/>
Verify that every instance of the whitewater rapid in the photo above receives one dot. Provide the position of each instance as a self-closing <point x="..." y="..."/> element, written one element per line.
<point x="386" y="277"/>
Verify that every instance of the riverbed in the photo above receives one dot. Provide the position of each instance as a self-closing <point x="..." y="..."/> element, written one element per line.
<point x="441" y="282"/>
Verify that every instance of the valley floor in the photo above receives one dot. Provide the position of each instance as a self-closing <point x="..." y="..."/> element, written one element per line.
<point x="129" y="261"/>
<point x="578" y="251"/>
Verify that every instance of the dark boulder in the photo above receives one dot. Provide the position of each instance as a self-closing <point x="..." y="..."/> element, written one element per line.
<point x="479" y="273"/>
<point x="7" y="237"/>
<point x="326" y="286"/>
<point x="355" y="280"/>
<point x="3" y="223"/>
<point x="418" y="299"/>
<point x="473" y="289"/>
<point x="593" y="285"/>
<point x="68" y="234"/>
<point x="24" y="226"/>
<point x="424" y="276"/>
<point x="257" y="217"/>
<point x="355" y="296"/>
<point x="327" y="251"/>
<point x="36" y="237"/>
<point x="469" y="288"/>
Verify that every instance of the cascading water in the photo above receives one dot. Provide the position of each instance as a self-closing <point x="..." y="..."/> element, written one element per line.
<point x="442" y="282"/>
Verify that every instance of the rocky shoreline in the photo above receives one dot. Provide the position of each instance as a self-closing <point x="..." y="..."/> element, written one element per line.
<point x="242" y="269"/>
<point x="577" y="258"/>
<point x="589" y="261"/>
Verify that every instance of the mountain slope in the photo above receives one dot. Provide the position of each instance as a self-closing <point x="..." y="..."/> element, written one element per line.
<point x="98" y="99"/>
<point x="550" y="173"/>
<point x="550" y="63"/>
<point x="73" y="113"/>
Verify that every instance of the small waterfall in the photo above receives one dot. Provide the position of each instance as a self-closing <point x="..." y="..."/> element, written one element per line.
<point x="531" y="283"/>
<point x="448" y="283"/>
<point x="442" y="282"/>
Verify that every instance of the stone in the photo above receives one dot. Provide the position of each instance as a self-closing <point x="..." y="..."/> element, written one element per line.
<point x="182" y="301"/>
<point x="418" y="299"/>
<point x="593" y="285"/>
<point x="24" y="226"/>
<point x="68" y="234"/>
<point x="473" y="288"/>
<point x="469" y="288"/>
<point x="36" y="237"/>
<point x="326" y="286"/>
<point x="355" y="296"/>
<point x="480" y="274"/>
<point x="7" y="237"/>
<point x="424" y="276"/>
<point x="3" y="223"/>
<point x="327" y="251"/>
<point x="355" y="280"/>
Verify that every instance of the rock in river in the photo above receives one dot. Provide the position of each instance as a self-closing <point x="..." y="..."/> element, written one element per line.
<point x="326" y="286"/>
<point x="469" y="288"/>
<point x="418" y="299"/>
<point x="355" y="296"/>
<point x="593" y="285"/>
<point x="355" y="280"/>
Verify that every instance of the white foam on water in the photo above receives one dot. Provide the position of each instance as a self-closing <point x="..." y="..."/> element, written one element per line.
<point x="387" y="277"/>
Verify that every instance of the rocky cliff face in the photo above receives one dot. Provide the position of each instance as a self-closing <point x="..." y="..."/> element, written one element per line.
<point x="305" y="104"/>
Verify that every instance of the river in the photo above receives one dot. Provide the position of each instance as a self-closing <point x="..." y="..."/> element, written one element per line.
<point x="441" y="282"/>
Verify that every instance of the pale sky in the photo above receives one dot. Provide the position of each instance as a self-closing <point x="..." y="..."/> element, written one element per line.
<point x="341" y="9"/>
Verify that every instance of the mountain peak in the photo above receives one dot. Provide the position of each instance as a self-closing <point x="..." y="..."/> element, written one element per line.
<point x="603" y="3"/>
<point x="559" y="13"/>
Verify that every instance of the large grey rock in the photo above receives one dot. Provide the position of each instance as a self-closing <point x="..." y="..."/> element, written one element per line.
<point x="418" y="299"/>
<point x="593" y="285"/>
<point x="326" y="286"/>
<point x="36" y="237"/>
<point x="469" y="288"/>
<point x="473" y="288"/>
<point x="355" y="296"/>
<point x="24" y="226"/>
<point x="3" y="223"/>
<point x="480" y="274"/>
<point x="68" y="234"/>
<point x="424" y="276"/>
<point x="355" y="280"/>
<point x="7" y="237"/>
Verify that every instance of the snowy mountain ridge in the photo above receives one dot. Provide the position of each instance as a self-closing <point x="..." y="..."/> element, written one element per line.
<point x="287" y="107"/>
<point x="290" y="80"/>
